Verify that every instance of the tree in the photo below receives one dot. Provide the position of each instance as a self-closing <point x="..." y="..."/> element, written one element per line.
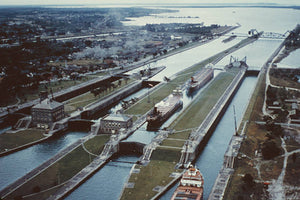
<point x="248" y="180"/>
<point x="270" y="150"/>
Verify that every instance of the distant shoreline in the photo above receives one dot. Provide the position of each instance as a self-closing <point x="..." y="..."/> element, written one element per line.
<point x="75" y="6"/>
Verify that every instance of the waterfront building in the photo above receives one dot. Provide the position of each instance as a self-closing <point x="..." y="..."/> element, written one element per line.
<point x="113" y="123"/>
<point x="46" y="113"/>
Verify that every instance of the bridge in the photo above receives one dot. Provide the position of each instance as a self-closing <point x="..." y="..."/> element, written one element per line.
<point x="264" y="35"/>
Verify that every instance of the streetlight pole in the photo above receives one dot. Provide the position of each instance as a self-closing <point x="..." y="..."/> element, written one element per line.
<point x="148" y="96"/>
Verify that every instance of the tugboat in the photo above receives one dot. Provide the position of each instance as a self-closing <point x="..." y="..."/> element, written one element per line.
<point x="164" y="109"/>
<point x="200" y="78"/>
<point x="190" y="186"/>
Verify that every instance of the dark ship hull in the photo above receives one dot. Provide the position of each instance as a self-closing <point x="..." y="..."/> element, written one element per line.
<point x="200" y="79"/>
<point x="164" y="110"/>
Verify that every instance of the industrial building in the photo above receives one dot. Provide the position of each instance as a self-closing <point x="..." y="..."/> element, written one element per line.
<point x="46" y="113"/>
<point x="111" y="124"/>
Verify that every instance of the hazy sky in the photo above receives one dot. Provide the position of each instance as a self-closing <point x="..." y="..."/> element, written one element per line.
<point x="59" y="2"/>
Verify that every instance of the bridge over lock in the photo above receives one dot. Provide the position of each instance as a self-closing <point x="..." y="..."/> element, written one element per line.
<point x="263" y="35"/>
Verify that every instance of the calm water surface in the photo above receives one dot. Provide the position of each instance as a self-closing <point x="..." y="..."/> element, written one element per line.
<point x="293" y="60"/>
<point x="19" y="163"/>
<point x="108" y="182"/>
<point x="211" y="159"/>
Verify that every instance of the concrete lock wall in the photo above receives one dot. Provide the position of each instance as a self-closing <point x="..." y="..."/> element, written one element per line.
<point x="79" y="125"/>
<point x="98" y="107"/>
<point x="131" y="148"/>
<point x="83" y="89"/>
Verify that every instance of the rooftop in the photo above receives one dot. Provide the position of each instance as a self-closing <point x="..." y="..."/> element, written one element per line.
<point x="48" y="104"/>
<point x="117" y="117"/>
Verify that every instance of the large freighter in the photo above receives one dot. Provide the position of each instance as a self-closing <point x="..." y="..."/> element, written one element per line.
<point x="190" y="186"/>
<point x="164" y="109"/>
<point x="200" y="79"/>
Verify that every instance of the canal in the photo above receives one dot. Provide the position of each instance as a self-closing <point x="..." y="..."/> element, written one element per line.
<point x="211" y="159"/>
<point x="291" y="61"/>
<point x="16" y="165"/>
<point x="107" y="183"/>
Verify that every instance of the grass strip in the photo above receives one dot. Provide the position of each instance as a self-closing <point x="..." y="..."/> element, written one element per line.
<point x="156" y="173"/>
<point x="62" y="170"/>
<point x="14" y="140"/>
<point x="165" y="89"/>
<point x="88" y="98"/>
<point x="29" y="94"/>
<point x="96" y="144"/>
<point x="198" y="110"/>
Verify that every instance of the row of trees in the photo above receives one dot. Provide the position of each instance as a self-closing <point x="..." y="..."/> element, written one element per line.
<point x="106" y="86"/>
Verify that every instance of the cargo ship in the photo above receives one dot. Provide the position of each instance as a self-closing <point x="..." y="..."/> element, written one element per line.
<point x="190" y="186"/>
<point x="164" y="109"/>
<point x="229" y="38"/>
<point x="200" y="79"/>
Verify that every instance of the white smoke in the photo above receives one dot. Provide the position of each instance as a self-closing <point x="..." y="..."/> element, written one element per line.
<point x="96" y="52"/>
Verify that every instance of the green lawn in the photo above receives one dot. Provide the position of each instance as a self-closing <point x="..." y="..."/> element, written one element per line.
<point x="197" y="111"/>
<point x="64" y="169"/>
<point x="13" y="140"/>
<point x="88" y="98"/>
<point x="156" y="173"/>
<point x="96" y="144"/>
<point x="30" y="94"/>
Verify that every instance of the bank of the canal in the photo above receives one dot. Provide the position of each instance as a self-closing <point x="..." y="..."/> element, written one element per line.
<point x="19" y="163"/>
<point x="181" y="80"/>
<point x="56" y="171"/>
<point x="211" y="158"/>
<point x="165" y="157"/>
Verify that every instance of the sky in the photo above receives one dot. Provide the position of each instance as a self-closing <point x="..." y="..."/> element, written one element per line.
<point x="86" y="2"/>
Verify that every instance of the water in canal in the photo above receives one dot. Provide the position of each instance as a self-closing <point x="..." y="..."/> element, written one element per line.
<point x="211" y="159"/>
<point x="291" y="60"/>
<point x="16" y="165"/>
<point x="108" y="182"/>
<point x="104" y="184"/>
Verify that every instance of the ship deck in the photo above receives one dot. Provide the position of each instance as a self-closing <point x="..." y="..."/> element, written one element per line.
<point x="165" y="106"/>
<point x="188" y="192"/>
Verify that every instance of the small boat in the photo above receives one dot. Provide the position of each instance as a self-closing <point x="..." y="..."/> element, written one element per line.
<point x="200" y="79"/>
<point x="190" y="186"/>
<point x="164" y="109"/>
